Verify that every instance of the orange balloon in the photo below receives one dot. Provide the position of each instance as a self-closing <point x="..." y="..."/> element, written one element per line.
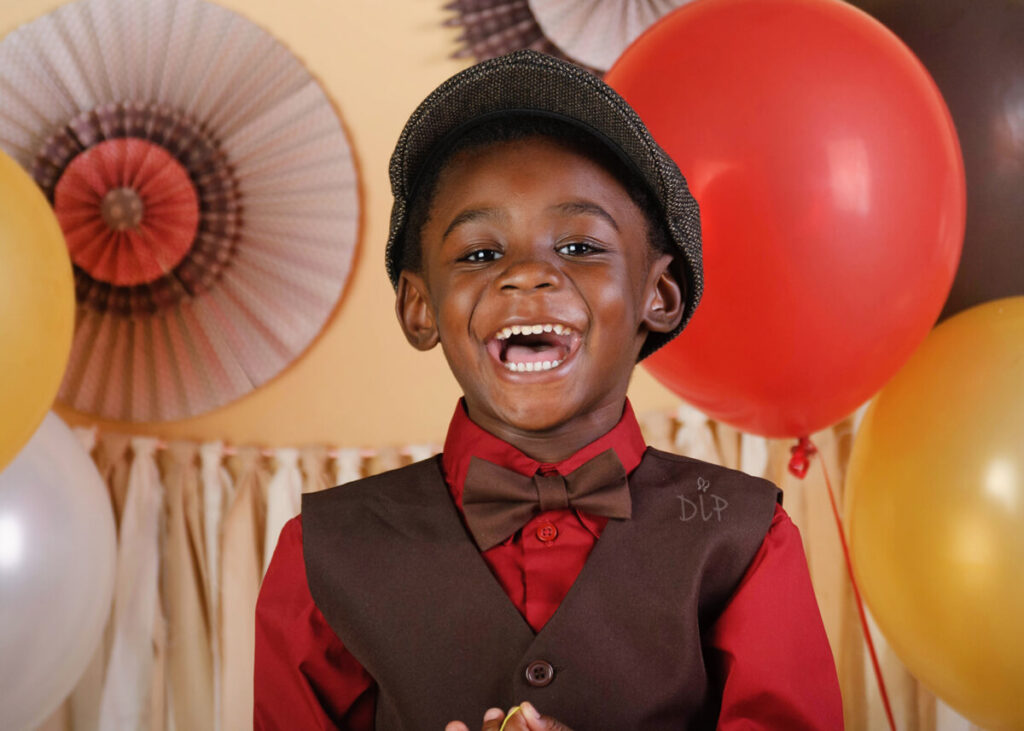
<point x="37" y="307"/>
<point x="935" y="511"/>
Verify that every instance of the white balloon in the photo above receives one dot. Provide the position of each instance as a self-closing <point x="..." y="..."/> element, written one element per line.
<point x="57" y="562"/>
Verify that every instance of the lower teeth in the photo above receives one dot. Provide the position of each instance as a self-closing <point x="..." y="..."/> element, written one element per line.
<point x="546" y="365"/>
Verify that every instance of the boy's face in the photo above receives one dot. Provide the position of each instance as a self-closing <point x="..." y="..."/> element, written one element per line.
<point x="538" y="281"/>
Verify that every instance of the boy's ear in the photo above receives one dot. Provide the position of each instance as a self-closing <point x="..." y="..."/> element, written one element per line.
<point x="412" y="305"/>
<point x="665" y="296"/>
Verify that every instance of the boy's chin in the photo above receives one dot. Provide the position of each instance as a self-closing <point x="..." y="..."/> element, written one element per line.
<point x="540" y="416"/>
<point x="536" y="421"/>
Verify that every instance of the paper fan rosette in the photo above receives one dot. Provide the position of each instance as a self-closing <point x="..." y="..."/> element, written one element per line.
<point x="495" y="27"/>
<point x="205" y="188"/>
<point x="595" y="32"/>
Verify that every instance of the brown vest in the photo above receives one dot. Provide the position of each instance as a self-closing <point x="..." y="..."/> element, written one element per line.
<point x="396" y="575"/>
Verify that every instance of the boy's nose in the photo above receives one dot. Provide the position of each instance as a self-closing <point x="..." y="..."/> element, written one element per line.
<point x="527" y="274"/>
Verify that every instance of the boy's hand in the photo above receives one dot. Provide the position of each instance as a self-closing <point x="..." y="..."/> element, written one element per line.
<point x="526" y="719"/>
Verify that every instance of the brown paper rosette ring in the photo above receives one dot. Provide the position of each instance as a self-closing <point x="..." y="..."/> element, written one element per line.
<point x="205" y="188"/>
<point x="180" y="215"/>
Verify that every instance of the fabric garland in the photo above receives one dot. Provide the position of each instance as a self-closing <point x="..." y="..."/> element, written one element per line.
<point x="198" y="523"/>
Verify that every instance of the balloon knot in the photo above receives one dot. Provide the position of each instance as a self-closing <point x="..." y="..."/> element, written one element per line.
<point x="802" y="452"/>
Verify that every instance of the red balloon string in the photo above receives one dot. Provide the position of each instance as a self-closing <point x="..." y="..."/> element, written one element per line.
<point x="798" y="465"/>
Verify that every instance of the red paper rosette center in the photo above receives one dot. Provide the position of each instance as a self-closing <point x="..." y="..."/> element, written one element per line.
<point x="128" y="209"/>
<point x="122" y="209"/>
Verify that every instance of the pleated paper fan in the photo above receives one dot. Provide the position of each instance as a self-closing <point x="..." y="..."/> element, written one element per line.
<point x="495" y="27"/>
<point x="206" y="190"/>
<point x="596" y="32"/>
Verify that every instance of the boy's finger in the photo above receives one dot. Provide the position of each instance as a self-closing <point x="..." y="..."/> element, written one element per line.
<point x="492" y="719"/>
<point x="534" y="721"/>
<point x="456" y="726"/>
<point x="514" y="721"/>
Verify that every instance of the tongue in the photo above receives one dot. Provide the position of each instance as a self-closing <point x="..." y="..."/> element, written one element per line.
<point x="533" y="354"/>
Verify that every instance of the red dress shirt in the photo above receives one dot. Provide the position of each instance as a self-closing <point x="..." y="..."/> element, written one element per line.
<point x="777" y="666"/>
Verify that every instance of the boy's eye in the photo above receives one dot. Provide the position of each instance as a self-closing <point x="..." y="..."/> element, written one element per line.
<point x="578" y="248"/>
<point x="481" y="256"/>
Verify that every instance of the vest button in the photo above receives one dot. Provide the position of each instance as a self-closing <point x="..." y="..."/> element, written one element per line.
<point x="539" y="673"/>
<point x="547" y="532"/>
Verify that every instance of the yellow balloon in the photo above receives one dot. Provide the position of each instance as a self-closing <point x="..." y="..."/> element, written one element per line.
<point x="37" y="307"/>
<point x="935" y="512"/>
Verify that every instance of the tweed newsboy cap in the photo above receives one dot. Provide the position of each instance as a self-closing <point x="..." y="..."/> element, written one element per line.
<point x="531" y="83"/>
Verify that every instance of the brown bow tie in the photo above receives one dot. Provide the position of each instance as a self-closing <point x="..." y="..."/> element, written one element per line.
<point x="497" y="501"/>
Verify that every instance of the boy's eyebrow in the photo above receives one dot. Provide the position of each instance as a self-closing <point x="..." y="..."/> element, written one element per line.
<point x="573" y="208"/>
<point x="473" y="214"/>
<point x="569" y="208"/>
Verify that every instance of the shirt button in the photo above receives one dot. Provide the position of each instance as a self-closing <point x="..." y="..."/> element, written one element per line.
<point x="547" y="532"/>
<point x="539" y="673"/>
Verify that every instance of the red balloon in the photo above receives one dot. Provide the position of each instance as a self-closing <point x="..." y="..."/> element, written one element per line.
<point x="832" y="198"/>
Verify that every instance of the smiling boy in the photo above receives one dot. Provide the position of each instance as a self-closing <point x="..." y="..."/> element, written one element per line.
<point x="531" y="235"/>
<point x="545" y="241"/>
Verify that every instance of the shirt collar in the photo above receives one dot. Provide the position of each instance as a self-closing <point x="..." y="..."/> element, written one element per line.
<point x="466" y="440"/>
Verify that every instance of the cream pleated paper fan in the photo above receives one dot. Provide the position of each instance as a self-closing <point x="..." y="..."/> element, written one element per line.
<point x="495" y="27"/>
<point x="204" y="185"/>
<point x="596" y="32"/>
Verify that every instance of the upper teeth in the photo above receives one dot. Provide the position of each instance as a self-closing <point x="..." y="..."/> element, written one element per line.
<point x="507" y="332"/>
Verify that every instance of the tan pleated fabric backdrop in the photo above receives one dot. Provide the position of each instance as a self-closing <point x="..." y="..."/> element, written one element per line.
<point x="197" y="524"/>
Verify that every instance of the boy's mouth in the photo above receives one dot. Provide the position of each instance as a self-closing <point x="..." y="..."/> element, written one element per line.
<point x="533" y="348"/>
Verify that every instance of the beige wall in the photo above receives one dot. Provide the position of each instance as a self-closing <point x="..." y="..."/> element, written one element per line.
<point x="359" y="383"/>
